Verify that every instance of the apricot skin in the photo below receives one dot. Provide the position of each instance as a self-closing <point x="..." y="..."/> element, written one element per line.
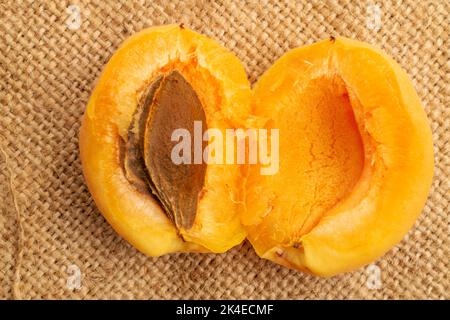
<point x="220" y="81"/>
<point x="387" y="194"/>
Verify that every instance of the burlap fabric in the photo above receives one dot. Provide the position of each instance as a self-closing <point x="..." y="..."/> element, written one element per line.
<point x="48" y="220"/>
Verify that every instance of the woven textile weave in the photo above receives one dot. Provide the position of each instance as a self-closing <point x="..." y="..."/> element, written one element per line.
<point x="49" y="224"/>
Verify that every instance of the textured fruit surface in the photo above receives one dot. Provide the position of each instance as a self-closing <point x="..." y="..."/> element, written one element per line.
<point x="220" y="84"/>
<point x="356" y="158"/>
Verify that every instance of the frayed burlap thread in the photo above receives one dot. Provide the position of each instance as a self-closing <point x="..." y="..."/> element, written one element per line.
<point x="49" y="225"/>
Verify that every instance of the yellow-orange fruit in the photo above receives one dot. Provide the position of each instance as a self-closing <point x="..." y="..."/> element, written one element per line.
<point x="356" y="158"/>
<point x="161" y="78"/>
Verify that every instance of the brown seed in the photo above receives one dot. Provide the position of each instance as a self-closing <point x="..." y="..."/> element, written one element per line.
<point x="170" y="103"/>
<point x="134" y="165"/>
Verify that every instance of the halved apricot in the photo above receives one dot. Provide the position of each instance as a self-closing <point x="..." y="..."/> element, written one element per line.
<point x="355" y="153"/>
<point x="356" y="158"/>
<point x="159" y="80"/>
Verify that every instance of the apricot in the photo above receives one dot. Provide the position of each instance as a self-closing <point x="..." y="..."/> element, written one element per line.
<point x="354" y="163"/>
<point x="356" y="158"/>
<point x="161" y="79"/>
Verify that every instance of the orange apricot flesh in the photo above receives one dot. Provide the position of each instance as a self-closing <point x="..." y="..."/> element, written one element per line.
<point x="356" y="158"/>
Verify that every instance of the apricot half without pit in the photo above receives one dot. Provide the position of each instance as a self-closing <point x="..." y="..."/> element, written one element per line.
<point x="356" y="158"/>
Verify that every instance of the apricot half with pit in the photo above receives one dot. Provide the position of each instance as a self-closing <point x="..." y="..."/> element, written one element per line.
<point x="160" y="80"/>
<point x="355" y="158"/>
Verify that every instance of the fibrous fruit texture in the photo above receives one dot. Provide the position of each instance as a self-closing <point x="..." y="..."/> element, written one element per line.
<point x="356" y="158"/>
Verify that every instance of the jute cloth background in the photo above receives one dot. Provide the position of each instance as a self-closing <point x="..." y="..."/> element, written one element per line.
<point x="49" y="225"/>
